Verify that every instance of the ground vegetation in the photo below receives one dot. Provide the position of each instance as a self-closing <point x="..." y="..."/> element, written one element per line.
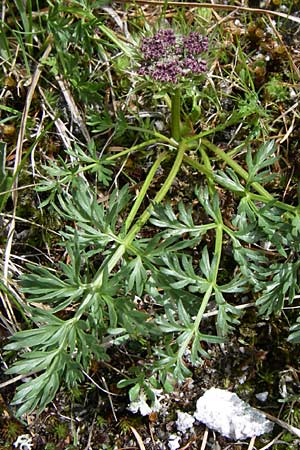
<point x="149" y="219"/>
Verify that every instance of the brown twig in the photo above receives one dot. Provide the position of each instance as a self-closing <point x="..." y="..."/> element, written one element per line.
<point x="281" y="423"/>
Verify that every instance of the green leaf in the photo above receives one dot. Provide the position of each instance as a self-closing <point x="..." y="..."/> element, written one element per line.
<point x="127" y="382"/>
<point x="164" y="217"/>
<point x="229" y="180"/>
<point x="168" y="323"/>
<point x="257" y="161"/>
<point x="237" y="285"/>
<point x="210" y="205"/>
<point x="280" y="282"/>
<point x="181" y="371"/>
<point x="134" y="392"/>
<point x="183" y="271"/>
<point x="35" y="394"/>
<point x="44" y="286"/>
<point x="204" y="264"/>
<point x="183" y="315"/>
<point x="294" y="335"/>
<point x="227" y="318"/>
<point x="88" y="158"/>
<point x="137" y="275"/>
<point x="5" y="179"/>
<point x="34" y="337"/>
<point x="126" y="48"/>
<point x="32" y="362"/>
<point x="197" y="350"/>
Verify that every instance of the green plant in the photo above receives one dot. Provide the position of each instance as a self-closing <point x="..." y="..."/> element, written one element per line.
<point x="61" y="430"/>
<point x="99" y="296"/>
<point x="10" y="430"/>
<point x="5" y="182"/>
<point x="50" y="446"/>
<point x="276" y="90"/>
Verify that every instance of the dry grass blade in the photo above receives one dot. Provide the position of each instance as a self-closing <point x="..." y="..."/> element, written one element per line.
<point x="138" y="438"/>
<point x="289" y="56"/>
<point x="18" y="158"/>
<point x="121" y="24"/>
<point x="289" y="130"/>
<point x="60" y="126"/>
<point x="216" y="6"/>
<point x="273" y="441"/>
<point x="15" y="380"/>
<point x="251" y="443"/>
<point x="75" y="113"/>
<point x="204" y="440"/>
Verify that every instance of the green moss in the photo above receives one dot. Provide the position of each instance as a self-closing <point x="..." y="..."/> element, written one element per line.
<point x="276" y="90"/>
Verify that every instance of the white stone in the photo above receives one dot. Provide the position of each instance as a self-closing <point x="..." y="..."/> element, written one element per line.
<point x="184" y="421"/>
<point x="174" y="442"/>
<point x="293" y="93"/>
<point x="225" y="412"/>
<point x="24" y="442"/>
<point x="262" y="396"/>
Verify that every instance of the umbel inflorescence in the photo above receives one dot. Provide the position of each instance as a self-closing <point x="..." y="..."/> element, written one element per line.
<point x="167" y="57"/>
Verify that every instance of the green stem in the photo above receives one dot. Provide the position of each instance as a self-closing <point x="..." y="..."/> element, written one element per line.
<point x="255" y="197"/>
<point x="141" y="195"/>
<point x="196" y="165"/>
<point x="160" y="195"/>
<point x="218" y="250"/>
<point x="175" y="114"/>
<point x="233" y="120"/>
<point x="202" y="308"/>
<point x="218" y="244"/>
<point x="190" y="140"/>
<point x="159" y="136"/>
<point x="244" y="174"/>
<point x="121" y="249"/>
<point x="132" y="149"/>
<point x="208" y="293"/>
<point x="236" y="167"/>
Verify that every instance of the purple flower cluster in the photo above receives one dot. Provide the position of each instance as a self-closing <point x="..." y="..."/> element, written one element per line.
<point x="170" y="58"/>
<point x="193" y="65"/>
<point x="160" y="43"/>
<point x="194" y="43"/>
<point x="166" y="71"/>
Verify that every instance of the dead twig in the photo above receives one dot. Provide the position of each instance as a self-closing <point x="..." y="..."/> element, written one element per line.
<point x="103" y="390"/>
<point x="275" y="440"/>
<point x="15" y="379"/>
<point x="281" y="423"/>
